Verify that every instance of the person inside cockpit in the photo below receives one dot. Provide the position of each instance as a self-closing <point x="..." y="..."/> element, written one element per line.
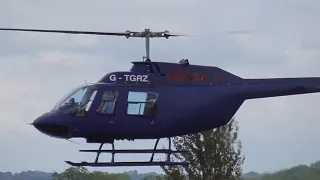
<point x="72" y="101"/>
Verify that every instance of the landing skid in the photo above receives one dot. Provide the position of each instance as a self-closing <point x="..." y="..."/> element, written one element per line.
<point x="118" y="164"/>
<point x="168" y="162"/>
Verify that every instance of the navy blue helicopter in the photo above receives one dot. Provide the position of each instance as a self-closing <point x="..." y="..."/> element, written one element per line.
<point x="155" y="100"/>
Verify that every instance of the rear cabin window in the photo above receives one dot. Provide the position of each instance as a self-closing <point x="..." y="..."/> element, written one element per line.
<point x="108" y="102"/>
<point x="142" y="103"/>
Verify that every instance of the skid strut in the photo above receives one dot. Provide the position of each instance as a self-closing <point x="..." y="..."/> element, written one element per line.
<point x="168" y="152"/>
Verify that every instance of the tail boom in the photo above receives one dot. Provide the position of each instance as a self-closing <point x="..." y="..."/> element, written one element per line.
<point x="264" y="88"/>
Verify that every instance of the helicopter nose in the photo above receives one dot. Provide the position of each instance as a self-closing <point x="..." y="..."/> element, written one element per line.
<point x="51" y="129"/>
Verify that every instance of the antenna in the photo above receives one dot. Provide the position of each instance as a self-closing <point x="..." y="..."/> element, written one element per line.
<point x="147" y="34"/>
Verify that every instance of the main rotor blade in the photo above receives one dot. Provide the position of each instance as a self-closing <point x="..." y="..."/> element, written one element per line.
<point x="165" y="33"/>
<point x="126" y="33"/>
<point x="69" y="32"/>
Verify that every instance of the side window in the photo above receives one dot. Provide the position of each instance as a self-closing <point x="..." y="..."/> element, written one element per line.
<point x="142" y="103"/>
<point x="108" y="102"/>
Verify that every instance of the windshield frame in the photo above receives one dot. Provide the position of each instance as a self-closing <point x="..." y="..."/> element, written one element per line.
<point x="71" y="93"/>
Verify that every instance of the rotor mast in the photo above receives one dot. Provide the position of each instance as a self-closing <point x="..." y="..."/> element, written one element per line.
<point x="147" y="34"/>
<point x="147" y="38"/>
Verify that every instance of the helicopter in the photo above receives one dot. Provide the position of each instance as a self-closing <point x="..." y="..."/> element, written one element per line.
<point x="155" y="100"/>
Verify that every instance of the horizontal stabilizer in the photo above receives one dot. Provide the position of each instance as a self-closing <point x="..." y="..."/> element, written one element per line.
<point x="117" y="164"/>
<point x="135" y="151"/>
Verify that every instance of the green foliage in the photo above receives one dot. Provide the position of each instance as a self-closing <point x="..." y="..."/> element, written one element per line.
<point x="73" y="173"/>
<point x="81" y="173"/>
<point x="301" y="172"/>
<point x="151" y="177"/>
<point x="316" y="165"/>
<point x="173" y="174"/>
<point x="214" y="154"/>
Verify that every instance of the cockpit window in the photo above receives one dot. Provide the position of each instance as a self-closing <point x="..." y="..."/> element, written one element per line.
<point x="78" y="102"/>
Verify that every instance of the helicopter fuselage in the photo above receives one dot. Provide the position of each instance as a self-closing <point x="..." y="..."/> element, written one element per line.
<point x="158" y="100"/>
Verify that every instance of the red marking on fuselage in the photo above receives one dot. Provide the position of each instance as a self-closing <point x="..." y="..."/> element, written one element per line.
<point x="177" y="75"/>
<point x="217" y="78"/>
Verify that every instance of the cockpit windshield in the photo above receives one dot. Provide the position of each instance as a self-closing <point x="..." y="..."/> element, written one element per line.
<point x="78" y="101"/>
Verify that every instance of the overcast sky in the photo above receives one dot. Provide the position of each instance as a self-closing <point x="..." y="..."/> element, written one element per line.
<point x="37" y="69"/>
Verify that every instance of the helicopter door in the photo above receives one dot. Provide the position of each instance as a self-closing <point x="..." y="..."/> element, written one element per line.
<point x="107" y="103"/>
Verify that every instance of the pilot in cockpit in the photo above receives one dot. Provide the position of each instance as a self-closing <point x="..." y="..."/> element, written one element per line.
<point x="72" y="101"/>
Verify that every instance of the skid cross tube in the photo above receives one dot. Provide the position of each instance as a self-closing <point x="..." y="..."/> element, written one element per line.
<point x="168" y="152"/>
<point x="168" y="155"/>
<point x="155" y="147"/>
<point x="98" y="153"/>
